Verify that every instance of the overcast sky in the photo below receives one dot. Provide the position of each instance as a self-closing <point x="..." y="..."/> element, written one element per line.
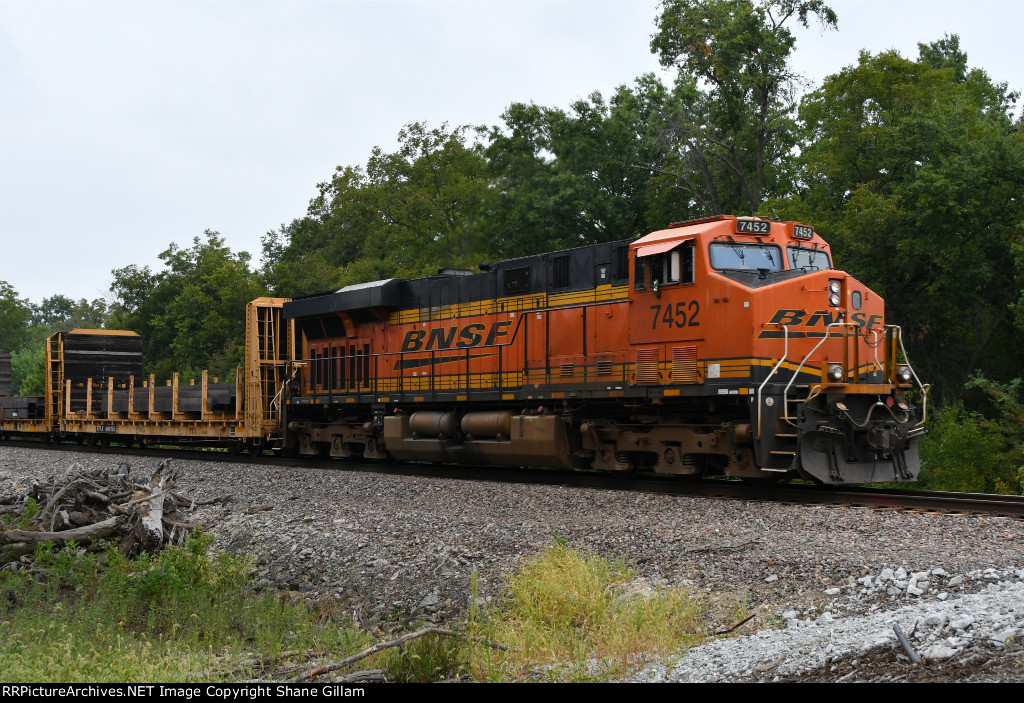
<point x="125" y="126"/>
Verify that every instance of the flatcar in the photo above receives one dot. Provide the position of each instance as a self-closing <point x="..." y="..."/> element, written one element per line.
<point x="728" y="345"/>
<point x="722" y="346"/>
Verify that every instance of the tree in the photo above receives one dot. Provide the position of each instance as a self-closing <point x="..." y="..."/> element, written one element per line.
<point x="914" y="170"/>
<point x="15" y="315"/>
<point x="406" y="213"/>
<point x="62" y="314"/>
<point x="575" y="177"/>
<point x="191" y="316"/>
<point x="733" y="131"/>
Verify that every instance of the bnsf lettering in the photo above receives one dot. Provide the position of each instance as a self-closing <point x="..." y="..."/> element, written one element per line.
<point x="438" y="340"/>
<point x="445" y="338"/>
<point x="470" y="335"/>
<point x="788" y="317"/>
<point x="795" y="318"/>
<point x="858" y="317"/>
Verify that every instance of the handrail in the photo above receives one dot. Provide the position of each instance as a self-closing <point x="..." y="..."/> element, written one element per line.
<point x="816" y="346"/>
<point x="785" y="353"/>
<point x="923" y="386"/>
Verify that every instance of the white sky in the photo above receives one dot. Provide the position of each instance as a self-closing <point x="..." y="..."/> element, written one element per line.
<point x="125" y="126"/>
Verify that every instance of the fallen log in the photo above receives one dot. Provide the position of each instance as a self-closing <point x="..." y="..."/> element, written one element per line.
<point x="81" y="535"/>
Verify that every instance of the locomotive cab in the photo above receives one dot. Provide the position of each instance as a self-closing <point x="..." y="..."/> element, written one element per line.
<point x="791" y="355"/>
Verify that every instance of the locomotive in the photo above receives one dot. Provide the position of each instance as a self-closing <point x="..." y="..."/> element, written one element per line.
<point x="726" y="345"/>
<point x="721" y="346"/>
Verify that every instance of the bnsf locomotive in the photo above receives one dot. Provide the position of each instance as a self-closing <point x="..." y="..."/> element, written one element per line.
<point x="719" y="346"/>
<point x="727" y="345"/>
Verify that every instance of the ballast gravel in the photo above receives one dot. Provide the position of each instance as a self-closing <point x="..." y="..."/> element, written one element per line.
<point x="825" y="584"/>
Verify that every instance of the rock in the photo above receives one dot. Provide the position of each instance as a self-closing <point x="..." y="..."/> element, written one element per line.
<point x="939" y="651"/>
<point x="961" y="622"/>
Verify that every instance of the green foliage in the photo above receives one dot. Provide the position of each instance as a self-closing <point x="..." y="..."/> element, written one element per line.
<point x="27" y="326"/>
<point x="733" y="133"/>
<point x="59" y="313"/>
<point x="180" y="615"/>
<point x="981" y="450"/>
<point x="564" y="608"/>
<point x="28" y="364"/>
<point x="914" y="173"/>
<point x="15" y="314"/>
<point x="406" y="213"/>
<point x="427" y="659"/>
<point x="70" y="566"/>
<point x="569" y="178"/>
<point x="22" y="520"/>
<point x="191" y="315"/>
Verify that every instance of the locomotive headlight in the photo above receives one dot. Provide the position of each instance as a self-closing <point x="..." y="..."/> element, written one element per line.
<point x="835" y="288"/>
<point x="835" y="373"/>
<point x="903" y="374"/>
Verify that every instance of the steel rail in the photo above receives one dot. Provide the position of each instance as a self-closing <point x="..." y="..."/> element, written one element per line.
<point x="798" y="493"/>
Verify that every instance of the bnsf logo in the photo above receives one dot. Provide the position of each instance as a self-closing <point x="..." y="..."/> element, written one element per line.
<point x="471" y="335"/>
<point x="796" y="318"/>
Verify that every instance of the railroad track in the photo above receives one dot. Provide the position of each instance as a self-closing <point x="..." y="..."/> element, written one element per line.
<point x="803" y="493"/>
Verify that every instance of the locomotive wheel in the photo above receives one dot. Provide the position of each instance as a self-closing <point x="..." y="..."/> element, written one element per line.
<point x="255" y="448"/>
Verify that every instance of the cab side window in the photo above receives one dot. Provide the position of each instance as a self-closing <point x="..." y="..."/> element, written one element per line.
<point x="675" y="266"/>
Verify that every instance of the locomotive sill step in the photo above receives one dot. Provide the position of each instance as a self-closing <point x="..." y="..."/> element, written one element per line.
<point x="788" y="436"/>
<point x="782" y="452"/>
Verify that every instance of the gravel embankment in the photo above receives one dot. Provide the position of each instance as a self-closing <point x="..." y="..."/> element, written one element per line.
<point x="826" y="582"/>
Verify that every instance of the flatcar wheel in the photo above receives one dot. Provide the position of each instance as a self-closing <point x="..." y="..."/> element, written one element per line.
<point x="255" y="448"/>
<point x="105" y="442"/>
<point x="91" y="441"/>
<point x="235" y="448"/>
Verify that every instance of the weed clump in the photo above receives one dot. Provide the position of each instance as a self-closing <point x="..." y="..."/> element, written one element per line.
<point x="568" y="615"/>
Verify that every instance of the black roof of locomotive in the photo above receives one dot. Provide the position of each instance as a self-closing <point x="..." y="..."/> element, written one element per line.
<point x="452" y="287"/>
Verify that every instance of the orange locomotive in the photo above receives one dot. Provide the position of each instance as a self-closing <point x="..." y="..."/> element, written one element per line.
<point x="719" y="346"/>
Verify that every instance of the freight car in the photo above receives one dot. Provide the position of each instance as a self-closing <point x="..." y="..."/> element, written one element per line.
<point x="726" y="345"/>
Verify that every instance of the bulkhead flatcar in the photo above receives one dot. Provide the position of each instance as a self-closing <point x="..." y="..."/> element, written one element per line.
<point x="727" y="345"/>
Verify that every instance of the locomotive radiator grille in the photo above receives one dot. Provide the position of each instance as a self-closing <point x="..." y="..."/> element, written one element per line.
<point x="684" y="365"/>
<point x="646" y="367"/>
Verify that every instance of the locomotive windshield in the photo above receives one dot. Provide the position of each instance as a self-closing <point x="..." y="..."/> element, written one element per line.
<point x="811" y="259"/>
<point x="745" y="257"/>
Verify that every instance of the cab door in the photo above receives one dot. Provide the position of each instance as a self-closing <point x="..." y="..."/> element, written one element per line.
<point x="665" y="333"/>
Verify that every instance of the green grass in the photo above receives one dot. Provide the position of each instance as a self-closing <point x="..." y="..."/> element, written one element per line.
<point x="569" y="617"/>
<point x="176" y="616"/>
<point x="184" y="615"/>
